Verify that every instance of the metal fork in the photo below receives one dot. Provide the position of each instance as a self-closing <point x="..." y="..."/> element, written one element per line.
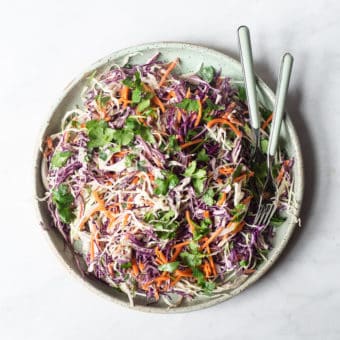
<point x="267" y="206"/>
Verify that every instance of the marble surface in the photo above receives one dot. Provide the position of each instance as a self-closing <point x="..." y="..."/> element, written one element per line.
<point x="45" y="43"/>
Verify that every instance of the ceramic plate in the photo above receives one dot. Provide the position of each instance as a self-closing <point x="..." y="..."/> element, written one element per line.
<point x="191" y="57"/>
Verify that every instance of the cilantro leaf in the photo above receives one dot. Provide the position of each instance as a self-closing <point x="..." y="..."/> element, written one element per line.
<point x="143" y="105"/>
<point x="126" y="265"/>
<point x="198" y="184"/>
<point x="99" y="133"/>
<point x="198" y="177"/>
<point x="123" y="136"/>
<point x="163" y="185"/>
<point x="192" y="260"/>
<point x="202" y="229"/>
<point x="102" y="155"/>
<point x="173" y="143"/>
<point x="169" y="267"/>
<point x="188" y="105"/>
<point x="173" y="180"/>
<point x="208" y="197"/>
<point x="59" y="159"/>
<point x="163" y="224"/>
<point x="207" y="286"/>
<point x="190" y="169"/>
<point x="136" y="95"/>
<point x="264" y="145"/>
<point x="238" y="212"/>
<point x="242" y="94"/>
<point x="243" y="263"/>
<point x="202" y="156"/>
<point x="102" y="100"/>
<point x="63" y="199"/>
<point x="207" y="73"/>
<point x="129" y="83"/>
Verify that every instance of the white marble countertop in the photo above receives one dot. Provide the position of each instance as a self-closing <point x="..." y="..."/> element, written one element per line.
<point x="44" y="44"/>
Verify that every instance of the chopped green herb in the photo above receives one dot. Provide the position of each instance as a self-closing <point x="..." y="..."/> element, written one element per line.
<point x="243" y="263"/>
<point x="123" y="136"/>
<point x="99" y="133"/>
<point x="188" y="105"/>
<point x="208" y="197"/>
<point x="202" y="156"/>
<point x="238" y="212"/>
<point x="169" y="267"/>
<point x="190" y="169"/>
<point x="264" y="145"/>
<point x="63" y="199"/>
<point x="126" y="265"/>
<point x="143" y="105"/>
<point x="242" y="94"/>
<point x="103" y="155"/>
<point x="173" y="143"/>
<point x="59" y="159"/>
<point x="207" y="73"/>
<point x="102" y="100"/>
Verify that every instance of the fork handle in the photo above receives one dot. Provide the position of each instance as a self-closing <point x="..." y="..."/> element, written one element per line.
<point x="281" y="94"/>
<point x="248" y="73"/>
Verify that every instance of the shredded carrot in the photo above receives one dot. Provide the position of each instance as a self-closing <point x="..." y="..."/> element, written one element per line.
<point x="125" y="221"/>
<point x="173" y="283"/>
<point x="159" y="103"/>
<point x="129" y="205"/>
<point x="249" y="271"/>
<point x="172" y="94"/>
<point x="221" y="201"/>
<point x="92" y="247"/>
<point x="98" y="199"/>
<point x="156" y="294"/>
<point x="212" y="237"/>
<point x="206" y="214"/>
<point x="182" y="244"/>
<point x="266" y="123"/>
<point x="282" y="171"/>
<point x="206" y="269"/>
<point x="247" y="199"/>
<point x="211" y="262"/>
<point x="167" y="72"/>
<point x="160" y="255"/>
<point x="244" y="176"/>
<point x="135" y="180"/>
<point x="226" y="170"/>
<point x="183" y="273"/>
<point x="179" y="116"/>
<point x="237" y="227"/>
<point x="190" y="222"/>
<point x="135" y="269"/>
<point x="124" y="96"/>
<point x="227" y="122"/>
<point x="86" y="218"/>
<point x="49" y="142"/>
<point x="199" y="115"/>
<point x="120" y="154"/>
<point x="188" y="94"/>
<point x="186" y="145"/>
<point x="141" y="266"/>
<point x="109" y="267"/>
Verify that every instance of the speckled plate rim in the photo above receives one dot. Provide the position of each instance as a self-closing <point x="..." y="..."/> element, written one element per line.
<point x="298" y="189"/>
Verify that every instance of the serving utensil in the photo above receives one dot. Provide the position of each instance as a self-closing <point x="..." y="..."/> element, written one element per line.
<point x="267" y="207"/>
<point x="250" y="86"/>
